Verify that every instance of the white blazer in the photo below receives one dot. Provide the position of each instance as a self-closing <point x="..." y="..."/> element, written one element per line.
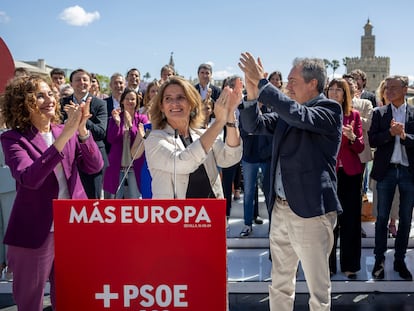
<point x="165" y="154"/>
<point x="365" y="109"/>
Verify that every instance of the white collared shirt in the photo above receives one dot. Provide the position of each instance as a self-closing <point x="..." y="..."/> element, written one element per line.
<point x="399" y="155"/>
<point x="203" y="91"/>
<point x="84" y="98"/>
<point x="116" y="104"/>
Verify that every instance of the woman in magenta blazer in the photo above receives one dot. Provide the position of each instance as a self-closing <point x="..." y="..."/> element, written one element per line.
<point x="349" y="171"/>
<point x="44" y="157"/>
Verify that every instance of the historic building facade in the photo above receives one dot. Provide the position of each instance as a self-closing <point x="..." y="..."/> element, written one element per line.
<point x="376" y="67"/>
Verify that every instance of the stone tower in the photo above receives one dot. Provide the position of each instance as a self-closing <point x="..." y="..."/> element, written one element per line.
<point x="377" y="68"/>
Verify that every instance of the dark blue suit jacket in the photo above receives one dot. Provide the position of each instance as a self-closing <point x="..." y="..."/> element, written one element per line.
<point x="306" y="139"/>
<point x="380" y="138"/>
<point x="98" y="122"/>
<point x="215" y="91"/>
<point x="370" y="96"/>
<point x="109" y="105"/>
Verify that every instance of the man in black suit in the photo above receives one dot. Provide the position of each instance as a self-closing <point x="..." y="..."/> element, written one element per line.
<point x="80" y="80"/>
<point x="204" y="73"/>
<point x="306" y="129"/>
<point x="133" y="78"/>
<point x="392" y="134"/>
<point x="360" y="78"/>
<point x="117" y="86"/>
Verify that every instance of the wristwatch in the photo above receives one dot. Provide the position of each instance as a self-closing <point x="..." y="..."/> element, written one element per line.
<point x="233" y="124"/>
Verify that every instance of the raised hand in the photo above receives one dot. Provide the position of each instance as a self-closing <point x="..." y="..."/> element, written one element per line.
<point x="127" y="119"/>
<point x="86" y="114"/>
<point x="253" y="72"/>
<point x="234" y="96"/>
<point x="227" y="103"/>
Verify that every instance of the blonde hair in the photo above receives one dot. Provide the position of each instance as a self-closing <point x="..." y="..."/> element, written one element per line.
<point x="158" y="119"/>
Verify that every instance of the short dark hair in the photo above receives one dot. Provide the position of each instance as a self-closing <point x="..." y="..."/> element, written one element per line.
<point x="57" y="71"/>
<point x="358" y="73"/>
<point x="77" y="71"/>
<point x="20" y="71"/>
<point x="205" y="66"/>
<point x="133" y="69"/>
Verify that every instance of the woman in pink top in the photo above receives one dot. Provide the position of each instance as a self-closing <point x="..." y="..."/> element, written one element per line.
<point x="349" y="173"/>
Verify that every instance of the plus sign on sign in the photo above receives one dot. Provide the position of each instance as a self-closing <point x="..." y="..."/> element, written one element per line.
<point x="143" y="255"/>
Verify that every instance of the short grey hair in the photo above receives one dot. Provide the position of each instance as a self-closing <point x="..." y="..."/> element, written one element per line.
<point x="116" y="75"/>
<point x="403" y="79"/>
<point x="312" y="68"/>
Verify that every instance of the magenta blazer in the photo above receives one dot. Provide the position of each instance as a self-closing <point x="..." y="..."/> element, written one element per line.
<point x="32" y="163"/>
<point x="115" y="137"/>
<point x="348" y="153"/>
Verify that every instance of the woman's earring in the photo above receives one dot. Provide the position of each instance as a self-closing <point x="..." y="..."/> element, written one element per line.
<point x="193" y="113"/>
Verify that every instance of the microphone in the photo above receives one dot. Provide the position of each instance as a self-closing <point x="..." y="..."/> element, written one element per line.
<point x="147" y="132"/>
<point x="174" y="172"/>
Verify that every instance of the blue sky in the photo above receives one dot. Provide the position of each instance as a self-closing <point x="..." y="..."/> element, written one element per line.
<point x="113" y="36"/>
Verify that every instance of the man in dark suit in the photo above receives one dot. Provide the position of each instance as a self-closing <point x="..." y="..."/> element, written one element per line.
<point x="306" y="129"/>
<point x="80" y="80"/>
<point x="204" y="73"/>
<point x="392" y="134"/>
<point x="360" y="78"/>
<point x="117" y="86"/>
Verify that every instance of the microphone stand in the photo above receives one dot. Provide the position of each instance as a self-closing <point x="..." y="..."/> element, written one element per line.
<point x="132" y="162"/>
<point x="175" y="173"/>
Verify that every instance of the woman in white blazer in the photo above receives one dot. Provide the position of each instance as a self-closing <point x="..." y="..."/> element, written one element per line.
<point x="183" y="158"/>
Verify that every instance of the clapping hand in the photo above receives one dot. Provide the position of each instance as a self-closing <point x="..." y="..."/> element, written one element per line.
<point x="116" y="115"/>
<point x="397" y="129"/>
<point x="348" y="131"/>
<point x="227" y="103"/>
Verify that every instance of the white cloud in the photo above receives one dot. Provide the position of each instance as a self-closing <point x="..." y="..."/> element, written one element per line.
<point x="77" y="16"/>
<point x="4" y="18"/>
<point x="222" y="74"/>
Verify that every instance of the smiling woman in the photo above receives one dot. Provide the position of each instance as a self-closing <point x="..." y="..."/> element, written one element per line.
<point x="41" y="153"/>
<point x="183" y="158"/>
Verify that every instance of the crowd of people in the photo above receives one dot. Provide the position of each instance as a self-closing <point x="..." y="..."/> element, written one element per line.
<point x="306" y="145"/>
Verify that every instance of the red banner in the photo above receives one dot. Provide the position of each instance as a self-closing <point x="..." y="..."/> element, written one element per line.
<point x="143" y="255"/>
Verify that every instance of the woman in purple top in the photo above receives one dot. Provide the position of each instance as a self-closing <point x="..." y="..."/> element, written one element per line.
<point x="44" y="157"/>
<point x="123" y="128"/>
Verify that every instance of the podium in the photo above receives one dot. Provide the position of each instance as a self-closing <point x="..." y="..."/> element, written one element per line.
<point x="143" y="255"/>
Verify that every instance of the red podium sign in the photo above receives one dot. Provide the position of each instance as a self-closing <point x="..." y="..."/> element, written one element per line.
<point x="143" y="255"/>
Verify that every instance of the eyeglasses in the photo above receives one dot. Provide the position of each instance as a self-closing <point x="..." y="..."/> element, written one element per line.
<point x="393" y="87"/>
<point x="336" y="90"/>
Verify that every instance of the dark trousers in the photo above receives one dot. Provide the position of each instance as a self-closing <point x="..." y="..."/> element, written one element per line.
<point x="348" y="227"/>
<point x="229" y="176"/>
<point x="92" y="183"/>
<point x="401" y="176"/>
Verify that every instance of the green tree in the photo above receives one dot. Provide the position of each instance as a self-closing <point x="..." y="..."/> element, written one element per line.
<point x="335" y="65"/>
<point x="104" y="83"/>
<point x="147" y="76"/>
<point x="327" y="63"/>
